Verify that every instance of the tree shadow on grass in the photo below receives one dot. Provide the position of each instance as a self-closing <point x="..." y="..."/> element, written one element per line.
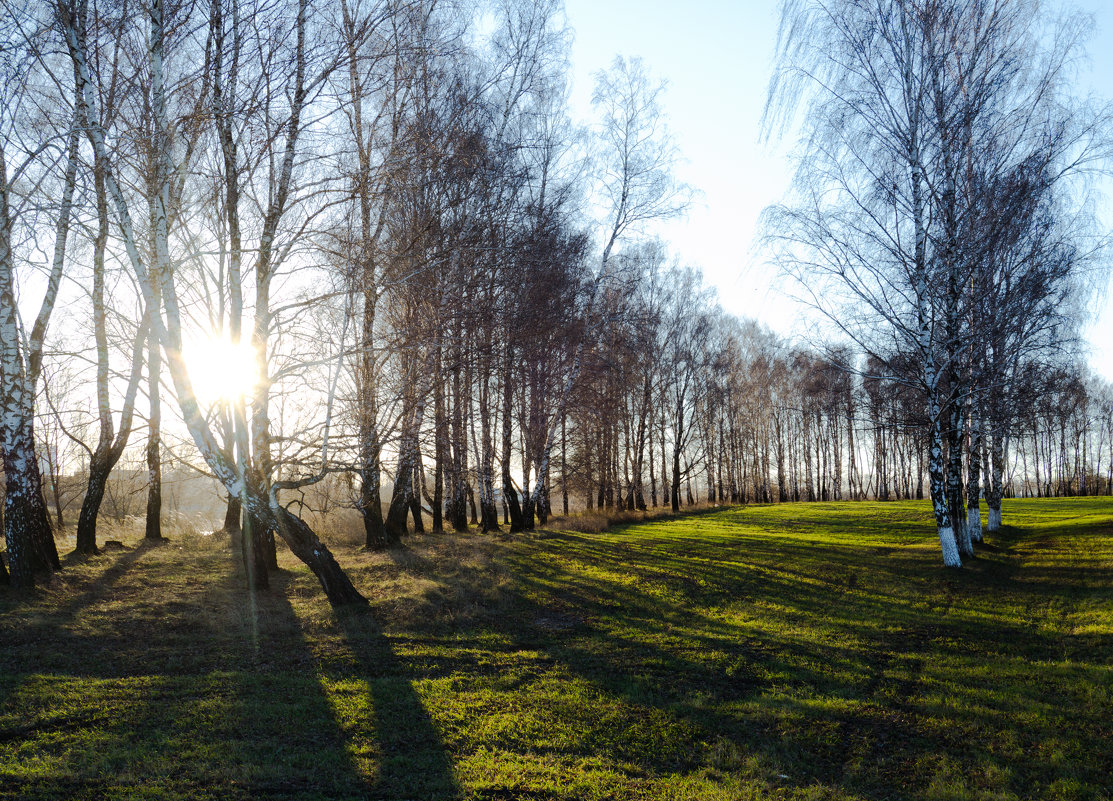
<point x="32" y="622"/>
<point x="413" y="762"/>
<point x="828" y="706"/>
<point x="389" y="737"/>
<point x="186" y="690"/>
<point x="848" y="588"/>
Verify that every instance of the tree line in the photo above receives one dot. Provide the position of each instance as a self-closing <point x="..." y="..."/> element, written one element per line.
<point x="450" y="289"/>
<point x="386" y="200"/>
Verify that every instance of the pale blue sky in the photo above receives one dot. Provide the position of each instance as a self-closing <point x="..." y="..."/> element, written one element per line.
<point x="717" y="56"/>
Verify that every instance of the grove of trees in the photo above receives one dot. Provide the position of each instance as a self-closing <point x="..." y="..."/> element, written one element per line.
<point x="941" y="218"/>
<point x="455" y="306"/>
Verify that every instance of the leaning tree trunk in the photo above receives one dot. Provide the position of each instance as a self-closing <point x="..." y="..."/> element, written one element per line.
<point x="306" y="546"/>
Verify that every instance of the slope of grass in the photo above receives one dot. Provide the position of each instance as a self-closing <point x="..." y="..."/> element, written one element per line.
<point x="800" y="651"/>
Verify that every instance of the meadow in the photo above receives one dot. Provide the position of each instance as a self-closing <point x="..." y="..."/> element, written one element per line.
<point x="800" y="651"/>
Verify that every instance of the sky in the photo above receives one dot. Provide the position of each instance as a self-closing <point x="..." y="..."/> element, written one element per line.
<point x="717" y="56"/>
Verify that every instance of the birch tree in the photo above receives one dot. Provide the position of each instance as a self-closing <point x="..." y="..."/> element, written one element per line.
<point x="376" y="91"/>
<point x="32" y="167"/>
<point x="858" y="237"/>
<point x="907" y="107"/>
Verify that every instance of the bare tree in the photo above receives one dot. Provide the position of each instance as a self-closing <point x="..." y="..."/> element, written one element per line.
<point x="636" y="159"/>
<point x="28" y="172"/>
<point x="907" y="104"/>
<point x="110" y="442"/>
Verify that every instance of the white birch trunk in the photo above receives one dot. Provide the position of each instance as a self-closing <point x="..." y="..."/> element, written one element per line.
<point x="950" y="547"/>
<point x="930" y="370"/>
<point x="974" y="523"/>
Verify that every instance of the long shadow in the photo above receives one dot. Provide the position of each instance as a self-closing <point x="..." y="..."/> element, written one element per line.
<point x="189" y="691"/>
<point x="844" y="743"/>
<point x="706" y="696"/>
<point x="844" y="589"/>
<point x="28" y="628"/>
<point x="827" y="586"/>
<point x="413" y="760"/>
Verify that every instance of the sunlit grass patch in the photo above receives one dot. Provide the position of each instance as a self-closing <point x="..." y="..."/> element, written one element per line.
<point x="803" y="651"/>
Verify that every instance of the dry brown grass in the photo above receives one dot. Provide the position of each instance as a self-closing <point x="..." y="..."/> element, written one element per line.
<point x="192" y="530"/>
<point x="340" y="526"/>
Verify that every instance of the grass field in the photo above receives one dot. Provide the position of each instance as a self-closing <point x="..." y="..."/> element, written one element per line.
<point x="812" y="651"/>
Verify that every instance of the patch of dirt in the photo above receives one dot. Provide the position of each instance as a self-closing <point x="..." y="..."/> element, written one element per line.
<point x="557" y="621"/>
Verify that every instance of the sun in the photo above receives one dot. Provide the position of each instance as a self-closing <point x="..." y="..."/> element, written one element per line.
<point x="220" y="369"/>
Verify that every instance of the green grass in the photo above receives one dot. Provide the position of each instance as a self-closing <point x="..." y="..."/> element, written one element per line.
<point x="810" y="651"/>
